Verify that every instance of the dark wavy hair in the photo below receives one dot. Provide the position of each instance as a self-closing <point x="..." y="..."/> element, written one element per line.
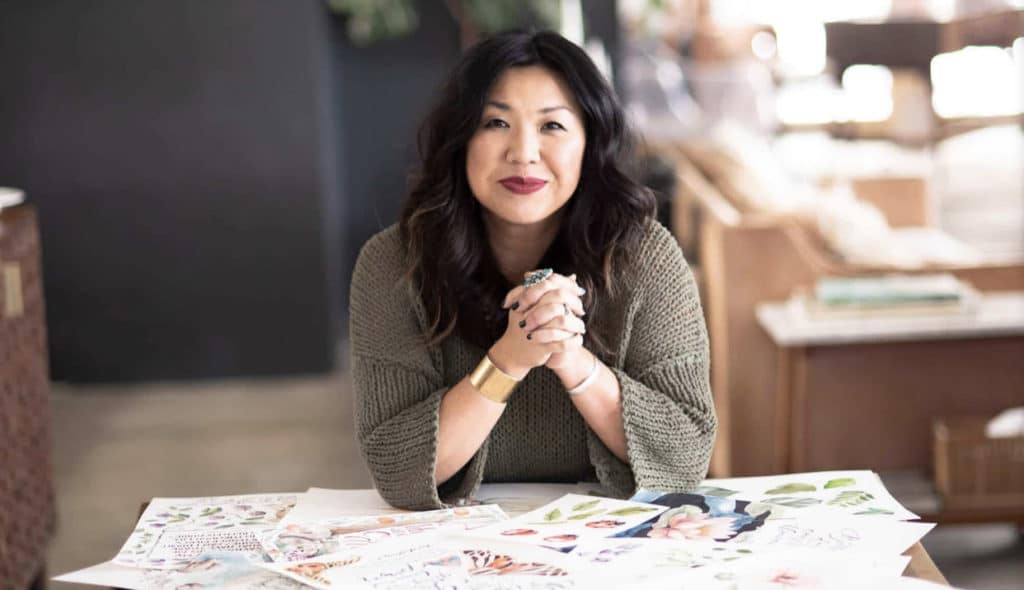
<point x="448" y="257"/>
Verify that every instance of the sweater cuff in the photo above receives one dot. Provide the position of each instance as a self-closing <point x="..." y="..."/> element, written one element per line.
<point x="668" y="442"/>
<point x="402" y="455"/>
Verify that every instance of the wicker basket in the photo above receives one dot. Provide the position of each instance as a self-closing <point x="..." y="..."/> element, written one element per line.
<point x="974" y="471"/>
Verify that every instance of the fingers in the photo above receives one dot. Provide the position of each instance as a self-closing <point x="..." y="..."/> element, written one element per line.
<point x="573" y="342"/>
<point x="523" y="298"/>
<point x="557" y="289"/>
<point x="553" y="315"/>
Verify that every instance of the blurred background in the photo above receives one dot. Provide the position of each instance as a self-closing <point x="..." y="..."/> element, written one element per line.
<point x="191" y="181"/>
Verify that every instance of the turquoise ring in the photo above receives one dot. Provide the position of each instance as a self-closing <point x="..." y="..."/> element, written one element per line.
<point x="537" y="276"/>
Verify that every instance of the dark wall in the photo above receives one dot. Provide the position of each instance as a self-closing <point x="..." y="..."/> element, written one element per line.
<point x="206" y="172"/>
<point x="185" y="183"/>
<point x="385" y="91"/>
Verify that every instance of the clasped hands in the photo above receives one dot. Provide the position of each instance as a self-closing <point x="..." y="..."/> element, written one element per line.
<point x="545" y="326"/>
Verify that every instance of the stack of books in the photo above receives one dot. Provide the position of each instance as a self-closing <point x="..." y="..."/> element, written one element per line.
<point x="887" y="295"/>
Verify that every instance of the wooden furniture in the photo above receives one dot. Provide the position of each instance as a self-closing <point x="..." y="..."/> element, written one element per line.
<point x="911" y="42"/>
<point x="921" y="566"/>
<point x="746" y="258"/>
<point x="26" y="483"/>
<point x="864" y="392"/>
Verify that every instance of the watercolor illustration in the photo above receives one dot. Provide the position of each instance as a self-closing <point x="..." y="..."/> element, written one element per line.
<point x="696" y="517"/>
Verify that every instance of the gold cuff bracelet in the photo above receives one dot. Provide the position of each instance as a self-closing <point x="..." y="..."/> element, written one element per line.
<point x="492" y="382"/>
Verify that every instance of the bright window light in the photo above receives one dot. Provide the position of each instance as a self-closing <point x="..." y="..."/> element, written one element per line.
<point x="977" y="82"/>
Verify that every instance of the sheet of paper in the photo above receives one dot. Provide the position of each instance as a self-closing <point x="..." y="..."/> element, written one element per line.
<point x="726" y="519"/>
<point x="230" y="571"/>
<point x="519" y="498"/>
<point x="173" y="531"/>
<point x="796" y="569"/>
<point x="322" y="503"/>
<point x="565" y="521"/>
<point x="855" y="493"/>
<point x="297" y="541"/>
<point x="443" y="562"/>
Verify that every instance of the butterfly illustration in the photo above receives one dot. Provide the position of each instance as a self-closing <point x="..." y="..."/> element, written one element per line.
<point x="486" y="563"/>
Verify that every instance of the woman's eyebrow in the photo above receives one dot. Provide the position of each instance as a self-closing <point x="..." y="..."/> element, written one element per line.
<point x="505" y="107"/>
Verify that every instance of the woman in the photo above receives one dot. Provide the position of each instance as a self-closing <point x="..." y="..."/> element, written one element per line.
<point x="471" y="359"/>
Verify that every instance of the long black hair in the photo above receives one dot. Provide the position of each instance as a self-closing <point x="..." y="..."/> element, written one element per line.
<point x="447" y="253"/>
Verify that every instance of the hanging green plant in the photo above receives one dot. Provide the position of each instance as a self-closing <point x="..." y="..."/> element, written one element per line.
<point x="371" y="21"/>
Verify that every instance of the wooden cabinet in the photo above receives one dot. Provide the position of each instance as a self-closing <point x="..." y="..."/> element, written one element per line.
<point x="26" y="481"/>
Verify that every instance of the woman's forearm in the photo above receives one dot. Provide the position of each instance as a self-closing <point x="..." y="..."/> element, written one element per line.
<point x="600" y="403"/>
<point x="465" y="419"/>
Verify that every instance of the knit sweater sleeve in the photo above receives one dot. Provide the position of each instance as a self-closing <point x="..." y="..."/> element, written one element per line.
<point x="398" y="383"/>
<point x="667" y="410"/>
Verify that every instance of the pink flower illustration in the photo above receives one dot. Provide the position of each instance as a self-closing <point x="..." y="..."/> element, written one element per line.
<point x="694" y="526"/>
<point x="791" y="579"/>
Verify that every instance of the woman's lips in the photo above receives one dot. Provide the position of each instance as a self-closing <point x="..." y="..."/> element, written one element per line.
<point x="522" y="185"/>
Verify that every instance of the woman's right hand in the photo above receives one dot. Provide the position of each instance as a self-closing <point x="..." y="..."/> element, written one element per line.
<point x="518" y="351"/>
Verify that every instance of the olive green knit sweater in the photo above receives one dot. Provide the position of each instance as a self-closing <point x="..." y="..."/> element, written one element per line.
<point x="661" y="360"/>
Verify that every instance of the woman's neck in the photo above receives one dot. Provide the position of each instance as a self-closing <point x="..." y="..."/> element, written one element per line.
<point x="519" y="248"/>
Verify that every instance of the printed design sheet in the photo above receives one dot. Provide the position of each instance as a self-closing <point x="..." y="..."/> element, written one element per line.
<point x="519" y="498"/>
<point x="298" y="541"/>
<point x="716" y="518"/>
<point x="226" y="570"/>
<point x="323" y="503"/>
<point x="173" y="531"/>
<point x="441" y="561"/>
<point x="563" y="523"/>
<point x="697" y="517"/>
<point x="822" y="493"/>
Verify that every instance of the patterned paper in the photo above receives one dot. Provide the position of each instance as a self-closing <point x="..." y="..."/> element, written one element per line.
<point x="442" y="562"/>
<point x="570" y="519"/>
<point x="299" y="541"/>
<point x="173" y="531"/>
<point x="819" y="494"/>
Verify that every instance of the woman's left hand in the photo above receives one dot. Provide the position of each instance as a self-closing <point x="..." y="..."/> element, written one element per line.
<point x="552" y="312"/>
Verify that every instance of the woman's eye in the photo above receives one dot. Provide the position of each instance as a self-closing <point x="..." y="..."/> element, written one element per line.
<point x="495" y="123"/>
<point x="553" y="125"/>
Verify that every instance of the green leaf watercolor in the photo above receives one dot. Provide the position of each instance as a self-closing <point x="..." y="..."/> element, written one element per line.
<point x="792" y="488"/>
<point x="553" y="515"/>
<point x="794" y="502"/>
<point x="631" y="510"/>
<point x="840" y="482"/>
<point x="585" y="515"/>
<point x="871" y="511"/>
<point x="715" y="491"/>
<point x="585" y="505"/>
<point x="851" y="498"/>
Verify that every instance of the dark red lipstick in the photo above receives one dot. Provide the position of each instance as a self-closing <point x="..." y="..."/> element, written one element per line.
<point x="523" y="185"/>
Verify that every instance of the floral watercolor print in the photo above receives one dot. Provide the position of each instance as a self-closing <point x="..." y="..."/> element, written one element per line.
<point x="695" y="517"/>
<point x="449" y="562"/>
<point x="173" y="531"/>
<point x="571" y="518"/>
<point x="519" y="498"/>
<point x="798" y="569"/>
<point x="856" y="493"/>
<point x="299" y="541"/>
<point x="228" y="571"/>
<point x="321" y="503"/>
<point x="843" y="533"/>
<point x="648" y="555"/>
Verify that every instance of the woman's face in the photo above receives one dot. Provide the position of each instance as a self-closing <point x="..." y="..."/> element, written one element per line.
<point x="523" y="162"/>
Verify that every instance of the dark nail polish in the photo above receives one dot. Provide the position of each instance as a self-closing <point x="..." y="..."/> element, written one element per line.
<point x="522" y="323"/>
<point x="529" y="336"/>
<point x="515" y="305"/>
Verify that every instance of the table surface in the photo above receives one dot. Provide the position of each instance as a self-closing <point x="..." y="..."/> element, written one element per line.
<point x="997" y="314"/>
<point x="921" y="566"/>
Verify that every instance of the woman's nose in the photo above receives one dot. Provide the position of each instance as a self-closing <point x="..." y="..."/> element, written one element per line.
<point x="524" y="147"/>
